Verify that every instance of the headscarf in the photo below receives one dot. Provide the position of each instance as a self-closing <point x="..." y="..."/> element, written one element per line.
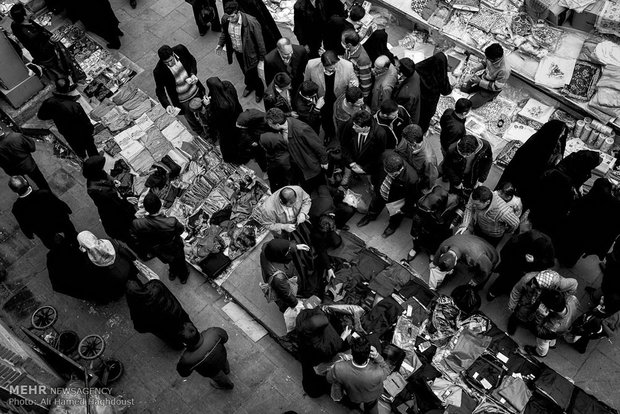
<point x="220" y="95"/>
<point x="92" y="169"/>
<point x="578" y="166"/>
<point x="100" y="251"/>
<point x="314" y="327"/>
<point x="433" y="74"/>
<point x="407" y="67"/>
<point x="278" y="250"/>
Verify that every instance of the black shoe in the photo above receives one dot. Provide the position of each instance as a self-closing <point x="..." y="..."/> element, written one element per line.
<point x="490" y="297"/>
<point x="221" y="386"/>
<point x="513" y="322"/>
<point x="530" y="349"/>
<point x="388" y="232"/>
<point x="183" y="281"/>
<point x="364" y="221"/>
<point x="203" y="33"/>
<point x="345" y="228"/>
<point x="246" y="92"/>
<point x="259" y="98"/>
<point x="133" y="3"/>
<point x="171" y="276"/>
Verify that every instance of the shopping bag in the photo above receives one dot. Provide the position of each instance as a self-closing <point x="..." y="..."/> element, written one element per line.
<point x="436" y="277"/>
<point x="395" y="207"/>
<point x="290" y="316"/>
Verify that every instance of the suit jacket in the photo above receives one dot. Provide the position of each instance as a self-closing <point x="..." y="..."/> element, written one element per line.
<point x="307" y="112"/>
<point x="159" y="234"/>
<point x="210" y="356"/>
<point x="67" y="114"/>
<point x="408" y="95"/>
<point x="306" y="149"/>
<point x="165" y="85"/>
<point x="271" y="214"/>
<point x="404" y="185"/>
<point x="383" y="87"/>
<point x="454" y="165"/>
<point x="41" y="213"/>
<point x="273" y="99"/>
<point x="251" y="39"/>
<point x="295" y="68"/>
<point x="368" y="156"/>
<point x="16" y="154"/>
<point x="345" y="75"/>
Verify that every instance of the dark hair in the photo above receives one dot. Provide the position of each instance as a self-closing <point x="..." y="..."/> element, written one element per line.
<point x="407" y="67"/>
<point x="282" y="79"/>
<point x="446" y="261"/>
<point x="63" y="85"/>
<point x="413" y="134"/>
<point x="231" y="7"/>
<point x="329" y="58"/>
<point x="360" y="349"/>
<point x="467" y="145"/>
<point x="553" y="299"/>
<point x="18" y="12"/>
<point x="509" y="189"/>
<point x="356" y="13"/>
<point x="351" y="37"/>
<point x="494" y="52"/>
<point x="388" y="106"/>
<point x="362" y="118"/>
<point x="462" y="105"/>
<point x="19" y="184"/>
<point x="275" y="116"/>
<point x="164" y="52"/>
<point x="309" y="88"/>
<point x="151" y="203"/>
<point x="353" y="94"/>
<point x="482" y="193"/>
<point x="189" y="335"/>
<point x="393" y="163"/>
<point x="287" y="194"/>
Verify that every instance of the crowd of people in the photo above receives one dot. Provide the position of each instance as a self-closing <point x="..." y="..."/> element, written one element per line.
<point x="341" y="113"/>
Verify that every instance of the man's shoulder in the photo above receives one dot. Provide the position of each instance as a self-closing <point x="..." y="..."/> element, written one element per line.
<point x="272" y="56"/>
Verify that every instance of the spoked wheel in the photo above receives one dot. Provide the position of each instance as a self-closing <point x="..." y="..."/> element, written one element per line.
<point x="91" y="347"/>
<point x="114" y="369"/>
<point x="44" y="317"/>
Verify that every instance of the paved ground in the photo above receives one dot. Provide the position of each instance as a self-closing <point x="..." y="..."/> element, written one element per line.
<point x="267" y="379"/>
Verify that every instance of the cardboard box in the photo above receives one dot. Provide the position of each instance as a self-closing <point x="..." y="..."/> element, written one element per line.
<point x="557" y="15"/>
<point x="586" y="20"/>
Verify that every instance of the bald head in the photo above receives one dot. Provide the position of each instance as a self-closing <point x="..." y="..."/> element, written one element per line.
<point x="288" y="196"/>
<point x="285" y="49"/>
<point x="19" y="184"/>
<point x="382" y="62"/>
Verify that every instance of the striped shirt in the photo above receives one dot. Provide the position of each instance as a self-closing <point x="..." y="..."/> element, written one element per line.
<point x="494" y="221"/>
<point x="185" y="91"/>
<point x="362" y="67"/>
<point x="234" y="30"/>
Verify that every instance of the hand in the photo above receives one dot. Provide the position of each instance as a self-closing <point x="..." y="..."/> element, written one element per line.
<point x="373" y="353"/>
<point x="529" y="258"/>
<point x="307" y="48"/>
<point x="55" y="37"/>
<point x="330" y="274"/>
<point x="345" y="334"/>
<point x="321" y="50"/>
<point x="478" y="184"/>
<point x="170" y="110"/>
<point x="219" y="51"/>
<point x="461" y="230"/>
<point x="206" y="100"/>
<point x="117" y="183"/>
<point x="133" y="200"/>
<point x="320" y="103"/>
<point x="357" y="169"/>
<point x="324" y="166"/>
<point x="474" y="80"/>
<point x="301" y="218"/>
<point x="294" y="114"/>
<point x="303" y="247"/>
<point x="289" y="228"/>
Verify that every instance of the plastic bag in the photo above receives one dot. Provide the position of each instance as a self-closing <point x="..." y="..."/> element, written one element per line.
<point x="290" y="316"/>
<point x="352" y="198"/>
<point x="436" y="277"/>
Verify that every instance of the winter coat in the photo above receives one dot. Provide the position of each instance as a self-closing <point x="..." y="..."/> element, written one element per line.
<point x="209" y="358"/>
<point x="306" y="149"/>
<point x="271" y="213"/>
<point x="434" y="81"/>
<point x="471" y="250"/>
<point x="295" y="68"/>
<point x="407" y="94"/>
<point x="35" y="39"/>
<point x="277" y="269"/>
<point x="165" y="84"/>
<point x="394" y="130"/>
<point x="252" y="42"/>
<point x="41" y="213"/>
<point x="159" y="234"/>
<point x="367" y="156"/>
<point x="16" y="154"/>
<point x="452" y="129"/>
<point x="115" y="212"/>
<point x="345" y="76"/>
<point x="423" y="161"/>
<point x="307" y="112"/>
<point x="68" y="115"/>
<point x="454" y="165"/>
<point x="309" y="22"/>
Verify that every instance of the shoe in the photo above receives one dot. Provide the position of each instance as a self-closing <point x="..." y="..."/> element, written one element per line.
<point x="411" y="255"/>
<point x="512" y="325"/>
<point x="364" y="221"/>
<point x="259" y="98"/>
<point x="388" y="232"/>
<point x="120" y="32"/>
<point x="531" y="349"/>
<point x="246" y="93"/>
<point x="490" y="297"/>
<point x="220" y="386"/>
<point x="183" y="281"/>
<point x="133" y="3"/>
<point x="203" y="33"/>
<point x="113" y="46"/>
<point x="345" y="228"/>
<point x="171" y="276"/>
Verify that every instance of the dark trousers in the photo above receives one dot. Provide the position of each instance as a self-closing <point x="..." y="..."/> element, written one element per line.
<point x="64" y="226"/>
<point x="37" y="177"/>
<point x="221" y="378"/>
<point x="504" y="283"/>
<point x="369" y="407"/>
<point x="82" y="145"/>
<point x="175" y="258"/>
<point x="252" y="81"/>
<point x="203" y="26"/>
<point x="376" y="206"/>
<point x="481" y="96"/>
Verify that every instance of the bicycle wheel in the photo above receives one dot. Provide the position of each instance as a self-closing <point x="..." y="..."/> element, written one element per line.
<point x="91" y="347"/>
<point x="44" y="317"/>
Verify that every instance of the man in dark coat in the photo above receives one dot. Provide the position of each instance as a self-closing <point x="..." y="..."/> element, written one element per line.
<point x="115" y="212"/>
<point x="278" y="160"/>
<point x="206" y="354"/>
<point x="16" y="157"/>
<point x="452" y="123"/>
<point x="468" y="162"/>
<point x="288" y="58"/>
<point x="70" y="119"/>
<point x="308" y="104"/>
<point x="241" y="34"/>
<point x="205" y="14"/>
<point x="251" y="124"/>
<point x="310" y="18"/>
<point x="434" y="81"/>
<point x="279" y="94"/>
<point x="98" y="17"/>
<point x="176" y="83"/>
<point x="161" y="235"/>
<point x="41" y="213"/>
<point x="419" y="154"/>
<point x="362" y="140"/>
<point x="407" y="93"/>
<point x="308" y="154"/>
<point x="397" y="192"/>
<point x="392" y="118"/>
<point x="258" y="9"/>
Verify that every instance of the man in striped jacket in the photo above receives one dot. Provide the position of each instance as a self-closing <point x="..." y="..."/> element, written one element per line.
<point x="488" y="216"/>
<point x="356" y="54"/>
